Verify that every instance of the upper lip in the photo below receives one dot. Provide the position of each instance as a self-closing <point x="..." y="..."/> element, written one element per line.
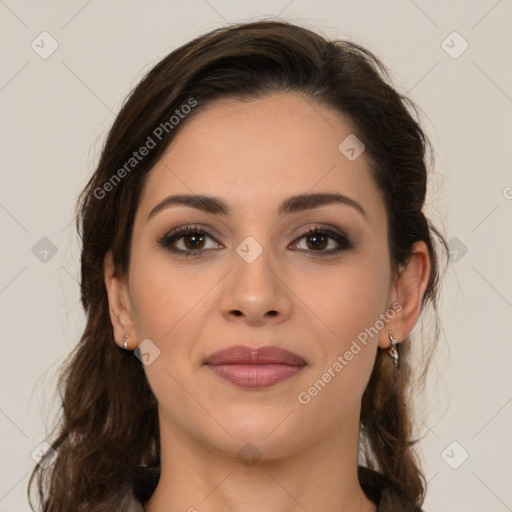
<point x="243" y="354"/>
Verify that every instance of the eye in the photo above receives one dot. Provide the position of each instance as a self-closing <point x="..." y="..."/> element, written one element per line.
<point x="188" y="241"/>
<point x="317" y="239"/>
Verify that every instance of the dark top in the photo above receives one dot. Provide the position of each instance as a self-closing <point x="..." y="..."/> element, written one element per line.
<point x="385" y="494"/>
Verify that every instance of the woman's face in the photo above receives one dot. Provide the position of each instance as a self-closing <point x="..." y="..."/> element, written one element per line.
<point x="256" y="279"/>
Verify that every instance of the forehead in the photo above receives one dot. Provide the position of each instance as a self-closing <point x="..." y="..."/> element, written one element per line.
<point x="261" y="151"/>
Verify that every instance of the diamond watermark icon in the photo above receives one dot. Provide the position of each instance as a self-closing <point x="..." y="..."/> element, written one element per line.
<point x="249" y="455"/>
<point x="44" y="45"/>
<point x="351" y="147"/>
<point x="44" y="249"/>
<point x="457" y="249"/>
<point x="147" y="352"/>
<point x="38" y="454"/>
<point x="454" y="45"/>
<point x="454" y="455"/>
<point x="249" y="249"/>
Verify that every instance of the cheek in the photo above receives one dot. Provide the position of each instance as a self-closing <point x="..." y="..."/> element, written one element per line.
<point x="169" y="304"/>
<point x="348" y="298"/>
<point x="164" y="294"/>
<point x="349" y="301"/>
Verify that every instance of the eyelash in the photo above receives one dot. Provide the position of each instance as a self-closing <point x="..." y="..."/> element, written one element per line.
<point x="176" y="234"/>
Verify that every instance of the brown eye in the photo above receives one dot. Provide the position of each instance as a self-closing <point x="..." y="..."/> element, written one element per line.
<point x="188" y="241"/>
<point x="323" y="241"/>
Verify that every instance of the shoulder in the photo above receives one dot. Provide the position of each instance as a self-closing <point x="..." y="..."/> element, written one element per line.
<point x="384" y="493"/>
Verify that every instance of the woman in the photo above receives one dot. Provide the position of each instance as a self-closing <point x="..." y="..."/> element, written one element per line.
<point x="255" y="257"/>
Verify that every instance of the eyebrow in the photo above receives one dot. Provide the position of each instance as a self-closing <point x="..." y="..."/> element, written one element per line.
<point x="293" y="204"/>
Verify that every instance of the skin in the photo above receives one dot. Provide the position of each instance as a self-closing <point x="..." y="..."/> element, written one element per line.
<point x="255" y="154"/>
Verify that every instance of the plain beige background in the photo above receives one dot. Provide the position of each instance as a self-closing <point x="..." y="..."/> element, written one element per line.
<point x="56" y="110"/>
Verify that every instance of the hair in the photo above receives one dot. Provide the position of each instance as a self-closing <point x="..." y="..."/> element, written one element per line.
<point x="108" y="433"/>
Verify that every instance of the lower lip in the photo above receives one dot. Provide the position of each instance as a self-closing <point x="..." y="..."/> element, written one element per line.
<point x="255" y="376"/>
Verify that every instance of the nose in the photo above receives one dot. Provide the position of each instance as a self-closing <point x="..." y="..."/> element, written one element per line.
<point x="255" y="294"/>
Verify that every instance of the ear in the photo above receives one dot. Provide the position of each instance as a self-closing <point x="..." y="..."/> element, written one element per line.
<point x="408" y="290"/>
<point x="119" y="303"/>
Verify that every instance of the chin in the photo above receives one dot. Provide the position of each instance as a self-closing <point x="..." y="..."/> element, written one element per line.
<point x="259" y="435"/>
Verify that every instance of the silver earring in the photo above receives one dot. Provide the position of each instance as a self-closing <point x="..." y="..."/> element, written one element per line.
<point x="125" y="341"/>
<point x="393" y="350"/>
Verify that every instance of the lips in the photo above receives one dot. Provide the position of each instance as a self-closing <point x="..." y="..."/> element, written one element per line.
<point x="242" y="354"/>
<point x="253" y="368"/>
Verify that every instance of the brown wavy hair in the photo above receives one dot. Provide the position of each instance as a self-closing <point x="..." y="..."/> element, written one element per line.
<point x="107" y="435"/>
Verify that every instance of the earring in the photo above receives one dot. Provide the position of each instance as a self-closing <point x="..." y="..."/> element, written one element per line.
<point x="125" y="341"/>
<point x="393" y="350"/>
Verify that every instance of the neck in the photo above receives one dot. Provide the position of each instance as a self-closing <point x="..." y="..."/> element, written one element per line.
<point x="199" y="478"/>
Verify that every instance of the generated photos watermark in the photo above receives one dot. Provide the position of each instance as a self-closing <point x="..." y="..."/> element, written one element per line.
<point x="138" y="156"/>
<point x="304" y="397"/>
